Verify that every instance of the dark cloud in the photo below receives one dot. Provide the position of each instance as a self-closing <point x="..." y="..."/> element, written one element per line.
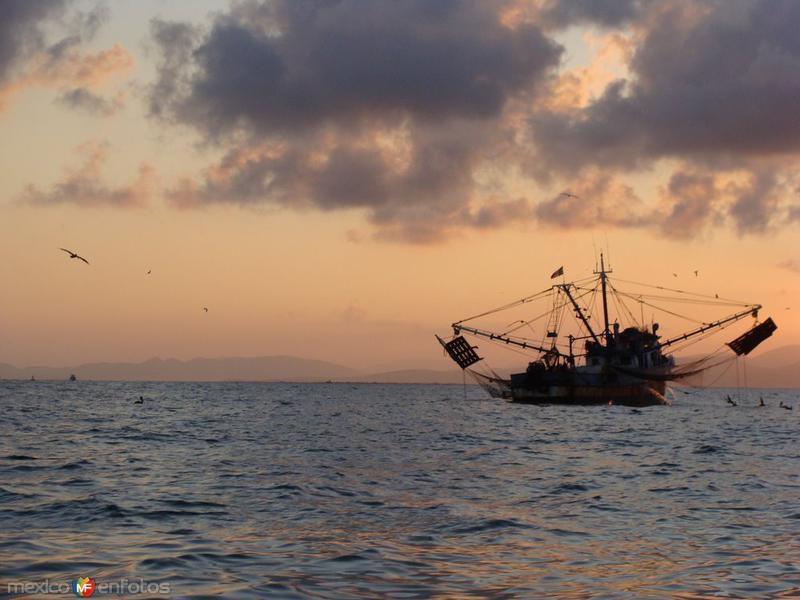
<point x="289" y="66"/>
<point x="433" y="192"/>
<point x="714" y="84"/>
<point x="715" y="80"/>
<point x="408" y="111"/>
<point x="605" y="13"/>
<point x="175" y="43"/>
<point x="21" y="29"/>
<point x="389" y="107"/>
<point x="83" y="186"/>
<point x="87" y="101"/>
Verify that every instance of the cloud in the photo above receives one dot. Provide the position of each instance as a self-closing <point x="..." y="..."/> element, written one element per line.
<point x="713" y="80"/>
<point x="417" y="201"/>
<point x="692" y="201"/>
<point x="90" y="69"/>
<point x="390" y="108"/>
<point x="757" y="202"/>
<point x="28" y="58"/>
<point x="709" y="84"/>
<point x="288" y="66"/>
<point x="85" y="100"/>
<point x="22" y="30"/>
<point x="790" y="264"/>
<point x="428" y="118"/>
<point x="753" y="201"/>
<point x="69" y="69"/>
<point x="83" y="186"/>
<point x="174" y="44"/>
<point x="597" y="200"/>
<point x="605" y="13"/>
<point x="576" y="88"/>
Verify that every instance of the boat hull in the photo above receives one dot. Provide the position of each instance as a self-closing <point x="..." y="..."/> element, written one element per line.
<point x="623" y="395"/>
<point x="580" y="387"/>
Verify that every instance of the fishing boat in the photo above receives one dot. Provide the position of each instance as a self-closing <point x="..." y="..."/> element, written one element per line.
<point x="590" y="359"/>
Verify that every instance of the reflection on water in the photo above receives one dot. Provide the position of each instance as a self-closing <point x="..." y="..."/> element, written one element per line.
<point x="338" y="491"/>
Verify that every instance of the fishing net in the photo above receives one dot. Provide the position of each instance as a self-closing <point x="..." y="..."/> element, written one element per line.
<point x="493" y="384"/>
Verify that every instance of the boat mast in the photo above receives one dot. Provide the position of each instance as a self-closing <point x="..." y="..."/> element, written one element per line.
<point x="602" y="274"/>
<point x="579" y="312"/>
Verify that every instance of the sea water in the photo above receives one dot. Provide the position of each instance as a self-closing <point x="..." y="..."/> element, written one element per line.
<point x="255" y="490"/>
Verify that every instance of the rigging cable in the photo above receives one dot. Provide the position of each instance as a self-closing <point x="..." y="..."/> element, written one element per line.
<point x="661" y="287"/>
<point x="618" y="295"/>
<point x="718" y="377"/>
<point x="524" y="300"/>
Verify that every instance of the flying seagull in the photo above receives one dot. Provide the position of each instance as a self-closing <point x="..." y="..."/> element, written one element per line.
<point x="74" y="255"/>
<point x="148" y="272"/>
<point x="696" y="273"/>
<point x="205" y="309"/>
<point x="568" y="195"/>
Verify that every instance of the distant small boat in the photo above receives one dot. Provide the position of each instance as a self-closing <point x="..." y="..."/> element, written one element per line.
<point x="72" y="377"/>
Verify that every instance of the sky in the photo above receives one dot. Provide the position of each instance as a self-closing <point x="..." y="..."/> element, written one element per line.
<point x="340" y="180"/>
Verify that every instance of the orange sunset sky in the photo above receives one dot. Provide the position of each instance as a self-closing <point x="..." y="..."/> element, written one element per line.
<point x="340" y="180"/>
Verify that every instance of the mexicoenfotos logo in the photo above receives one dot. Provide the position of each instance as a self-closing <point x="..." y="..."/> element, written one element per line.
<point x="84" y="586"/>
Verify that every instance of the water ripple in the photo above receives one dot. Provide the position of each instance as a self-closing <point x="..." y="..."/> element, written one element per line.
<point x="349" y="491"/>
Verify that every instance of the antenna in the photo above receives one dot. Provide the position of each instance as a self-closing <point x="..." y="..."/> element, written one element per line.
<point x="641" y="307"/>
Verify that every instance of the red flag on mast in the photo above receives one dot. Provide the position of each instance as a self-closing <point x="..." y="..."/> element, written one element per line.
<point x="558" y="273"/>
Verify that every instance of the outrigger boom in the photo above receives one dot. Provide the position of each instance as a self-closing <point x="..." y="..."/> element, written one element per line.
<point x="752" y="311"/>
<point x="457" y="329"/>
